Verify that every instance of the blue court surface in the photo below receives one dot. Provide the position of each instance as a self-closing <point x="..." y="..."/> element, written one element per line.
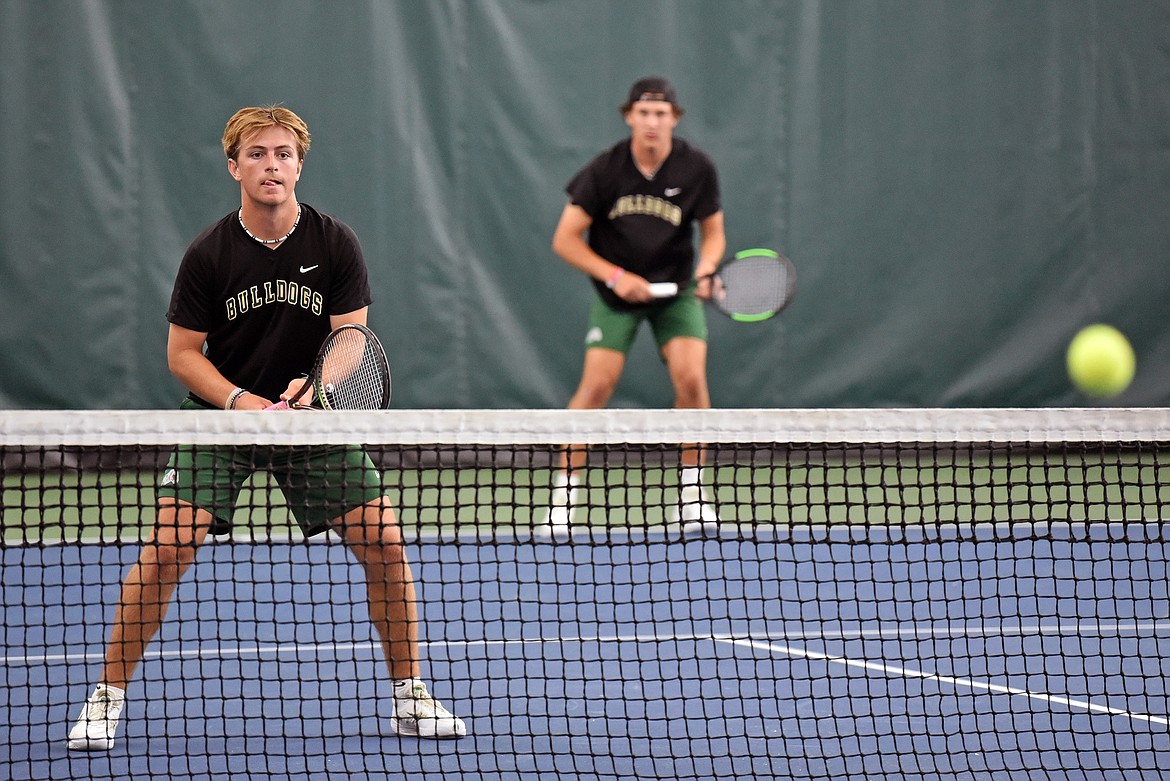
<point x="904" y="653"/>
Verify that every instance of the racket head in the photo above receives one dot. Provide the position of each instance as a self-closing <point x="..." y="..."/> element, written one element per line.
<point x="754" y="285"/>
<point x="351" y="371"/>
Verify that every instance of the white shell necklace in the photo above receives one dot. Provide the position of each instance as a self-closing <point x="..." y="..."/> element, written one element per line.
<point x="270" y="241"/>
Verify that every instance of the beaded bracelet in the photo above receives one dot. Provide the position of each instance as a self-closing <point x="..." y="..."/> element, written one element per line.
<point x="233" y="397"/>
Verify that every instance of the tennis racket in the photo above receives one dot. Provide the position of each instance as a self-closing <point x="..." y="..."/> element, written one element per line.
<point x="750" y="287"/>
<point x="351" y="373"/>
<point x="754" y="285"/>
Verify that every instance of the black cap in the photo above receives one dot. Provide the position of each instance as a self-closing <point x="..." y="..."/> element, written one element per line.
<point x="652" y="88"/>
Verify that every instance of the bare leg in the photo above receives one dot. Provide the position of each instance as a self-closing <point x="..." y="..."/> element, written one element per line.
<point x="599" y="377"/>
<point x="148" y="587"/>
<point x="686" y="360"/>
<point x="372" y="534"/>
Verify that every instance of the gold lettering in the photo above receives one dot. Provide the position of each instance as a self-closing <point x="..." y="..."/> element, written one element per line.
<point x="282" y="291"/>
<point x="647" y="205"/>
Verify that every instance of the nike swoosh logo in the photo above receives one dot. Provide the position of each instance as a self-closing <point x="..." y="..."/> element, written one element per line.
<point x="308" y="268"/>
<point x="672" y="191"/>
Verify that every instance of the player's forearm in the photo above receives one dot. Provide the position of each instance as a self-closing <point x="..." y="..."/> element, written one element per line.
<point x="709" y="259"/>
<point x="578" y="254"/>
<point x="199" y="376"/>
<point x="712" y="245"/>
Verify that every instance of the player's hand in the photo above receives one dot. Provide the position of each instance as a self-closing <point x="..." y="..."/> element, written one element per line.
<point x="250" y="401"/>
<point x="704" y="287"/>
<point x="633" y="288"/>
<point x="293" y="395"/>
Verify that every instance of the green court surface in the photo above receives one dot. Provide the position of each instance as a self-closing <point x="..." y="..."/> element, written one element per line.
<point x="953" y="486"/>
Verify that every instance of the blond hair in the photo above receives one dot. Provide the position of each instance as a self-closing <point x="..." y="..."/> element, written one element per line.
<point x="247" y="121"/>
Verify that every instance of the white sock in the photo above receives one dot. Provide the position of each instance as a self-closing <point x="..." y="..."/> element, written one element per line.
<point x="566" y="479"/>
<point x="114" y="690"/>
<point x="690" y="476"/>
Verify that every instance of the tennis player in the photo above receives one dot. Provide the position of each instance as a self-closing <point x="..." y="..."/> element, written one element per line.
<point x="630" y="222"/>
<point x="256" y="294"/>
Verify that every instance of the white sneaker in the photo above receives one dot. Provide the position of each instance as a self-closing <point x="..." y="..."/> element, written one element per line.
<point x="417" y="713"/>
<point x="559" y="518"/>
<point x="95" y="727"/>
<point x="695" y="512"/>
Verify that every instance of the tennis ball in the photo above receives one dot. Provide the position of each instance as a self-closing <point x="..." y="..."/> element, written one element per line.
<point x="1100" y="360"/>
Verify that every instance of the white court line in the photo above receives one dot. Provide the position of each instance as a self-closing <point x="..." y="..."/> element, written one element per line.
<point x="914" y="631"/>
<point x="279" y="649"/>
<point x="203" y="652"/>
<point x="894" y="670"/>
<point x="857" y="633"/>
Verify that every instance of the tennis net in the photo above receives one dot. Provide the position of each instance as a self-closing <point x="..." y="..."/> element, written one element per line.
<point x="890" y="594"/>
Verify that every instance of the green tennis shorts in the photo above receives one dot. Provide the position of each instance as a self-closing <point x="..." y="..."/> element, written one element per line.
<point x="679" y="316"/>
<point x="320" y="483"/>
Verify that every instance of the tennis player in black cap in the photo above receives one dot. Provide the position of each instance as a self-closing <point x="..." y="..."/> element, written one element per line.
<point x="629" y="223"/>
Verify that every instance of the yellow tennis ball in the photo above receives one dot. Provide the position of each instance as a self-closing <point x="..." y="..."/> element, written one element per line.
<point x="1101" y="361"/>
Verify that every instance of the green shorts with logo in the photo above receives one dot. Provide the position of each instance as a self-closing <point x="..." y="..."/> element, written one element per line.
<point x="682" y="315"/>
<point x="320" y="483"/>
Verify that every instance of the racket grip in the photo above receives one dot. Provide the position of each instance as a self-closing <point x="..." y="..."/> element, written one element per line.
<point x="663" y="289"/>
<point x="277" y="405"/>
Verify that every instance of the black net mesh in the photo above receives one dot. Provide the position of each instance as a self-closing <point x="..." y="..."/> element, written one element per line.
<point x="902" y="608"/>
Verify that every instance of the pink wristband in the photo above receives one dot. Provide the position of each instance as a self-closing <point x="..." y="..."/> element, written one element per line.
<point x="614" y="277"/>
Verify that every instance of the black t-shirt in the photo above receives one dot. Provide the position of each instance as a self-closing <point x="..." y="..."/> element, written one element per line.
<point x="266" y="312"/>
<point x="646" y="225"/>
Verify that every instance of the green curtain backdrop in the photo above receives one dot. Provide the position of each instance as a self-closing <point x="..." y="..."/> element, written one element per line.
<point x="962" y="185"/>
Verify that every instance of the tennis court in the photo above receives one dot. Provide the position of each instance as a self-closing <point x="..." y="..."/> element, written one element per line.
<point x="839" y="646"/>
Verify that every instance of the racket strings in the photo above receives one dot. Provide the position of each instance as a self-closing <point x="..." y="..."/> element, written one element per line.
<point x="351" y="373"/>
<point x="754" y="286"/>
